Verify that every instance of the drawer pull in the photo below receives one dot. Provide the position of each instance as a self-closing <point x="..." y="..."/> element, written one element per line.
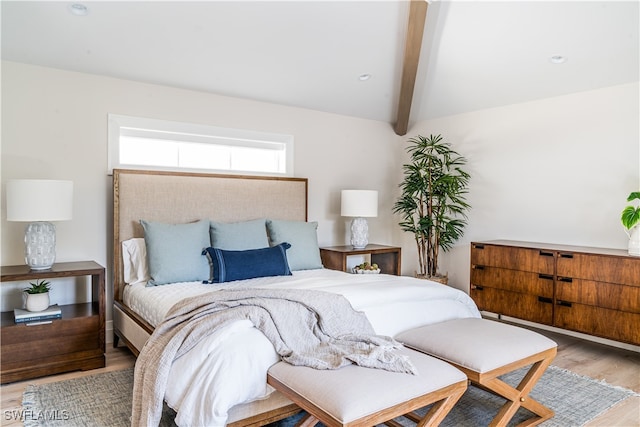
<point x="545" y="300"/>
<point x="39" y="322"/>
<point x="477" y="288"/>
<point x="564" y="303"/>
<point x="566" y="255"/>
<point x="478" y="267"/>
<point x="478" y="246"/>
<point x="545" y="253"/>
<point x="565" y="279"/>
<point x="545" y="276"/>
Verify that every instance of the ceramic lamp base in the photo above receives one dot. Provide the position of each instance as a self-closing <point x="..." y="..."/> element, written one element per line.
<point x="359" y="233"/>
<point x="40" y="245"/>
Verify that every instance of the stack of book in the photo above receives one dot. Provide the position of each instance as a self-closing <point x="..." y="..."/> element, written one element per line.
<point x="37" y="317"/>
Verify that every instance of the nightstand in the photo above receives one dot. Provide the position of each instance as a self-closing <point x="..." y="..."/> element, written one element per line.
<point x="76" y="341"/>
<point x="387" y="257"/>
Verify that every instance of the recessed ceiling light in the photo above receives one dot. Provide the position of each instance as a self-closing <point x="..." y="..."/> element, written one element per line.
<point x="79" y="9"/>
<point x="364" y="77"/>
<point x="558" y="59"/>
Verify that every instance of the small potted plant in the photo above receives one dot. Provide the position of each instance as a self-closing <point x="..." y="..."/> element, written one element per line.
<point x="631" y="221"/>
<point x="37" y="295"/>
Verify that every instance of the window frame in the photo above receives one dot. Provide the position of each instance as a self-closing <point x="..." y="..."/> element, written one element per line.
<point x="194" y="133"/>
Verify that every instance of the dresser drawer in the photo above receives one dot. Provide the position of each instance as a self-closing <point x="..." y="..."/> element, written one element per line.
<point x="512" y="280"/>
<point x="601" y="268"/>
<point x="515" y="304"/>
<point x="600" y="294"/>
<point x="513" y="258"/>
<point x="598" y="321"/>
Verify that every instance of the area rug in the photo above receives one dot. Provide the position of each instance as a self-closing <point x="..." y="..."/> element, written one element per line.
<point x="105" y="400"/>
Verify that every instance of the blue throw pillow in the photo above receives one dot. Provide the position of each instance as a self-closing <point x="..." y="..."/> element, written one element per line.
<point x="239" y="236"/>
<point x="239" y="265"/>
<point x="304" y="253"/>
<point x="173" y="251"/>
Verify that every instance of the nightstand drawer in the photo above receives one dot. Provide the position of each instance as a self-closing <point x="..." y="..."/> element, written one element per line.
<point x="64" y="336"/>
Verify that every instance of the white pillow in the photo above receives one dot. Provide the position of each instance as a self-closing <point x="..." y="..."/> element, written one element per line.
<point x="134" y="261"/>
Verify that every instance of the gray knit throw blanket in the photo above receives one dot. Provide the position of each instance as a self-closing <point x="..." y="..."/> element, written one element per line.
<point x="309" y="328"/>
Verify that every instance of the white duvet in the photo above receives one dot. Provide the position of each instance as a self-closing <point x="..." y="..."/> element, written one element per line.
<point x="229" y="367"/>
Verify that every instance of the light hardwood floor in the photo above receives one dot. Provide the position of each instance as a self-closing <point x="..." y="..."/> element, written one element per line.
<point x="614" y="366"/>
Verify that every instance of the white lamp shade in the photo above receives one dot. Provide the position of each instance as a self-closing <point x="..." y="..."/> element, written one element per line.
<point x="359" y="203"/>
<point x="39" y="200"/>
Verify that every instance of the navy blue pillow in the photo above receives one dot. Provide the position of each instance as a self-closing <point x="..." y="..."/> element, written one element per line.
<point x="240" y="265"/>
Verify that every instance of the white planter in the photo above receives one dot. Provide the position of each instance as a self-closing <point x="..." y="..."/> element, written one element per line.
<point x="634" y="241"/>
<point x="37" y="302"/>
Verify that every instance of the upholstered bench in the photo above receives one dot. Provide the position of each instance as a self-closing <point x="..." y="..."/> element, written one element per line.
<point x="484" y="350"/>
<point x="358" y="396"/>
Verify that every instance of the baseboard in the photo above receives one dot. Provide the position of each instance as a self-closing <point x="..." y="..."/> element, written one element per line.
<point x="587" y="337"/>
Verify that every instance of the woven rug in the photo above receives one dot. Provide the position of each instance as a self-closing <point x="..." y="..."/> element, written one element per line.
<point x="105" y="400"/>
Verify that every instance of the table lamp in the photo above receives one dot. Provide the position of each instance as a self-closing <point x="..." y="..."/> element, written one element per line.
<point x="359" y="204"/>
<point x="39" y="201"/>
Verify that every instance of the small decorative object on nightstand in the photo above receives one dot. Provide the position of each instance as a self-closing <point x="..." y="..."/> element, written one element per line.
<point x="366" y="268"/>
<point x="359" y="204"/>
<point x="37" y="296"/>
<point x="387" y="258"/>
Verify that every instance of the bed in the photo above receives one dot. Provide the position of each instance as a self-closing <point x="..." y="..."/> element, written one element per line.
<point x="223" y="380"/>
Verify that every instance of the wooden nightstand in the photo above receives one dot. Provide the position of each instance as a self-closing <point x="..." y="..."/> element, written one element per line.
<point x="387" y="257"/>
<point x="77" y="341"/>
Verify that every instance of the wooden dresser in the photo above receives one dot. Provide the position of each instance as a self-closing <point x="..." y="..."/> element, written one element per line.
<point x="590" y="290"/>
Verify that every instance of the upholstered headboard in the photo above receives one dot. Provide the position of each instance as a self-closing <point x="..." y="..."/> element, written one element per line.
<point x="174" y="197"/>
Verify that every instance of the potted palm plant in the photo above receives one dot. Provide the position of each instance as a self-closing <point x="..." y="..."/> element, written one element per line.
<point x="37" y="295"/>
<point x="432" y="203"/>
<point x="631" y="221"/>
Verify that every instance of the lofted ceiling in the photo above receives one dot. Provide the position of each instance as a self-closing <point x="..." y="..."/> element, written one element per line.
<point x="311" y="54"/>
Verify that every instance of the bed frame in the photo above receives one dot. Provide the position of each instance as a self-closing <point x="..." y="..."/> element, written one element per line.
<point x="174" y="197"/>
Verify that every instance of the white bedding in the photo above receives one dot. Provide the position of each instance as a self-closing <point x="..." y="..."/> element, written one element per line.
<point x="236" y="358"/>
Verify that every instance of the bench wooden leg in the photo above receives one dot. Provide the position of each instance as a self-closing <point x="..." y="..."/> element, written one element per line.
<point x="519" y="396"/>
<point x="440" y="409"/>
<point x="308" y="421"/>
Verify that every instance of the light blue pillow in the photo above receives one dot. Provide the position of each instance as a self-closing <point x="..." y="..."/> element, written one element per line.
<point x="239" y="236"/>
<point x="174" y="251"/>
<point x="240" y="265"/>
<point x="303" y="237"/>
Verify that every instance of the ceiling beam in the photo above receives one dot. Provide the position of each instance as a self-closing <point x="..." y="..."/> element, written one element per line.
<point x="413" y="44"/>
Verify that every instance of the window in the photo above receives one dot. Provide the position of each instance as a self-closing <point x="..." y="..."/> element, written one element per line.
<point x="162" y="145"/>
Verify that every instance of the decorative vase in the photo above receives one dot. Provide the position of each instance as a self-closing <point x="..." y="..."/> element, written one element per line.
<point x="634" y="241"/>
<point x="37" y="302"/>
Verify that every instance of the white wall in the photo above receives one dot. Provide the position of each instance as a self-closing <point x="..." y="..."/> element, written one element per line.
<point x="54" y="126"/>
<point x="557" y="170"/>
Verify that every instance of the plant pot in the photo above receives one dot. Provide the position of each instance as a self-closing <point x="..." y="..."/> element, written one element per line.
<point x="440" y="279"/>
<point x="634" y="241"/>
<point x="37" y="302"/>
